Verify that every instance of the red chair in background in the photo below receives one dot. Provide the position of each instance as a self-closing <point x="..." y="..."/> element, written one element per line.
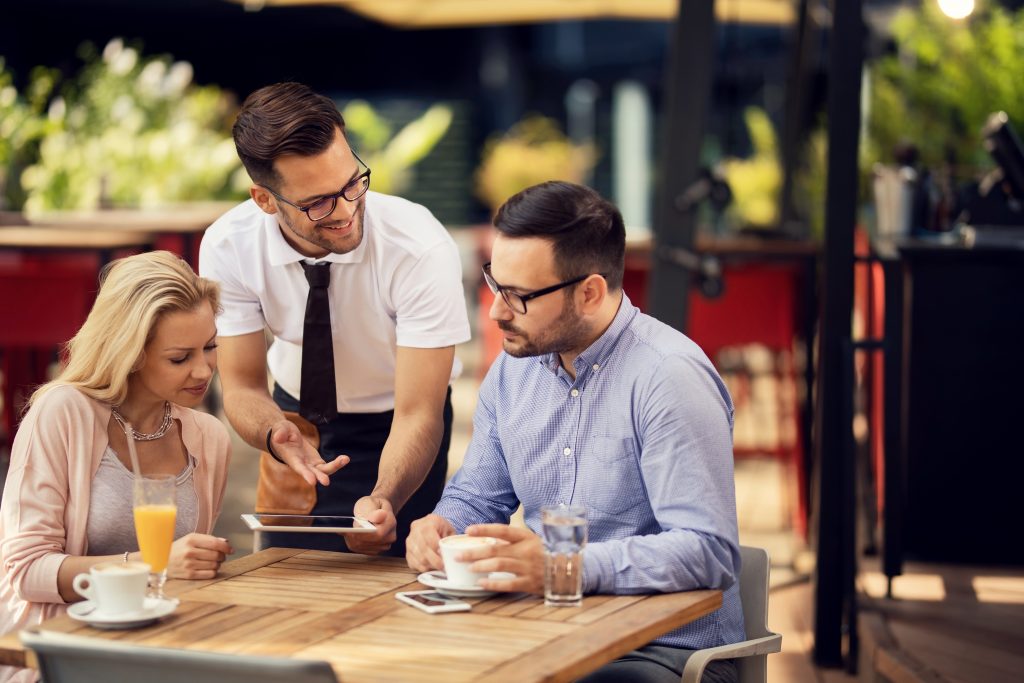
<point x="760" y="306"/>
<point x="44" y="299"/>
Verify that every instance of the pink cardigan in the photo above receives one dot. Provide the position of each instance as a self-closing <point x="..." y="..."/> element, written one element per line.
<point x="45" y="507"/>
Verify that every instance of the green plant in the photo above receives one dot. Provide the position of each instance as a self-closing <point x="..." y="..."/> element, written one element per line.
<point x="22" y="124"/>
<point x="132" y="131"/>
<point x="391" y="157"/>
<point x="532" y="151"/>
<point x="944" y="81"/>
<point x="757" y="180"/>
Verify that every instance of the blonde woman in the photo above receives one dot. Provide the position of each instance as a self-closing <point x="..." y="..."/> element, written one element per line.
<point x="145" y="356"/>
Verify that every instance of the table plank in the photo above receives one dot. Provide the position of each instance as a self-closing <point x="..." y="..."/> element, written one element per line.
<point x="186" y="613"/>
<point x="568" y="658"/>
<point x="309" y="580"/>
<point x="231" y="569"/>
<point x="294" y="640"/>
<point x="425" y="647"/>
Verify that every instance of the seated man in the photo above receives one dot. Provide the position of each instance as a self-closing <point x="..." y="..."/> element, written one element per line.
<point x="594" y="402"/>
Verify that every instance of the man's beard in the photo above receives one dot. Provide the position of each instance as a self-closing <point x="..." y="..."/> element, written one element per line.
<point x="318" y="238"/>
<point x="568" y="335"/>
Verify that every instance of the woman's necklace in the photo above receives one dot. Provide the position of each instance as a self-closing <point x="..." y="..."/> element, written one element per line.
<point x="142" y="436"/>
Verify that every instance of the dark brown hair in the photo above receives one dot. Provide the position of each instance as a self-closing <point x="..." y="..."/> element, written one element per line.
<point x="280" y="119"/>
<point x="585" y="229"/>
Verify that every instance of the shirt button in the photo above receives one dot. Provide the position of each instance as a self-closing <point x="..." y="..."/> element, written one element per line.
<point x="567" y="451"/>
<point x="596" y="366"/>
<point x="575" y="393"/>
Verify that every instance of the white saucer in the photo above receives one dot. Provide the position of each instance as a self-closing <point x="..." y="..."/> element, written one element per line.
<point x="437" y="580"/>
<point x="152" y="609"/>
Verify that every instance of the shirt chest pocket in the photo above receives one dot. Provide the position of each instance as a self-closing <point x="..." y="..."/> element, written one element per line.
<point x="612" y="449"/>
<point x="611" y="477"/>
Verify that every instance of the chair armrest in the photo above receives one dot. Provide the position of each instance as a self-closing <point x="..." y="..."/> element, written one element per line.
<point x="697" y="662"/>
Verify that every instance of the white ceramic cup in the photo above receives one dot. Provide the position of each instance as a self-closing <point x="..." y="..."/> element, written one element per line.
<point x="115" y="587"/>
<point x="458" y="573"/>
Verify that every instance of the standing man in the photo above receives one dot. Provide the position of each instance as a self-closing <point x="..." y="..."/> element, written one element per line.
<point x="363" y="295"/>
<point x="624" y="415"/>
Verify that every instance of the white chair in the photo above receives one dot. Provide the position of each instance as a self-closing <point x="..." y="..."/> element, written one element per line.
<point x="751" y="654"/>
<point x="65" y="658"/>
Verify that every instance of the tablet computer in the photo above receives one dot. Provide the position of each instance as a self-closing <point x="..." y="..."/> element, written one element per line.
<point x="316" y="524"/>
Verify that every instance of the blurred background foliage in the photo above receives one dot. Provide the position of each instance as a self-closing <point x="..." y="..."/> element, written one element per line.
<point x="21" y="127"/>
<point x="941" y="84"/>
<point x="128" y="130"/>
<point x="532" y="151"/>
<point x="755" y="181"/>
<point x="391" y="155"/>
<point x="134" y="131"/>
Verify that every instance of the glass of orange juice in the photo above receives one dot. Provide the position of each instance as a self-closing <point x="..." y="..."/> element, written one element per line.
<point x="155" y="512"/>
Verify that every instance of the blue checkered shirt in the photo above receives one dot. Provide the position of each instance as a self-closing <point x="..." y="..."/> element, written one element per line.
<point x="643" y="438"/>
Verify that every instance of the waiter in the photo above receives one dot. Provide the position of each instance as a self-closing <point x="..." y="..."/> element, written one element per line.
<point x="362" y="293"/>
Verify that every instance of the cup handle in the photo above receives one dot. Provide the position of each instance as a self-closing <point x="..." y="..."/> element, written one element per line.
<point x="83" y="585"/>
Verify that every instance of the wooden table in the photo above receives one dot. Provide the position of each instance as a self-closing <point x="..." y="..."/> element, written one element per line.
<point x="341" y="608"/>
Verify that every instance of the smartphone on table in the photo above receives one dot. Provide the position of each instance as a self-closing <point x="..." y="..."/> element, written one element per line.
<point x="433" y="602"/>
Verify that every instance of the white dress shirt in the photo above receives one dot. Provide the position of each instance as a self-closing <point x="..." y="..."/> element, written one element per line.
<point x="402" y="286"/>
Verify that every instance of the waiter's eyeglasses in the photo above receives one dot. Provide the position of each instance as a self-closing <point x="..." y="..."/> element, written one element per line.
<point x="324" y="207"/>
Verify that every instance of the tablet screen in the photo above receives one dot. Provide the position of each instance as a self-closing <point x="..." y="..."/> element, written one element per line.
<point x="306" y="520"/>
<point x="314" y="523"/>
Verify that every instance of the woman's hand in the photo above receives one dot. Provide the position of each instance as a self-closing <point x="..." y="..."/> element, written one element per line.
<point x="197" y="556"/>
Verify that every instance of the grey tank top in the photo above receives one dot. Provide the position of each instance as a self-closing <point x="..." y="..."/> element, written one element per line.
<point x="111" y="527"/>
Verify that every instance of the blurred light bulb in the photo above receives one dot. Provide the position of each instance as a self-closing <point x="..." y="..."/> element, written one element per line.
<point x="956" y="9"/>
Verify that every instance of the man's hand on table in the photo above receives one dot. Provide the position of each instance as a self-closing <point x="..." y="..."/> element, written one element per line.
<point x="197" y="556"/>
<point x="379" y="512"/>
<point x="522" y="555"/>
<point x="299" y="454"/>
<point x="421" y="548"/>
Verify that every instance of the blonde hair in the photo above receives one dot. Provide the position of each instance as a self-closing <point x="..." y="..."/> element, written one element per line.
<point x="135" y="292"/>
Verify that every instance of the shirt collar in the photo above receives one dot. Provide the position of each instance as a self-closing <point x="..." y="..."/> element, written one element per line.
<point x="598" y="352"/>
<point x="281" y="253"/>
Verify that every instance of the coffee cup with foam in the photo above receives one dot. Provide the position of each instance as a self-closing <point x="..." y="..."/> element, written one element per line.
<point x="117" y="588"/>
<point x="458" y="572"/>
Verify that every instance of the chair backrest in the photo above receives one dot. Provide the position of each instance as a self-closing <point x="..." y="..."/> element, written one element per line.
<point x="754" y="596"/>
<point x="754" y="590"/>
<point x="65" y="658"/>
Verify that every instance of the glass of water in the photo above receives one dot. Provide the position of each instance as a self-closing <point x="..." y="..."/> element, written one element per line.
<point x="565" y="534"/>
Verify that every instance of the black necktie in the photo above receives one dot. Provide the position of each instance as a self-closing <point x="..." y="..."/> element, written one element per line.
<point x="318" y="400"/>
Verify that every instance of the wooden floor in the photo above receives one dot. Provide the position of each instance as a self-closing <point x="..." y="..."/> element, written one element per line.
<point x="790" y="613"/>
<point x="945" y="623"/>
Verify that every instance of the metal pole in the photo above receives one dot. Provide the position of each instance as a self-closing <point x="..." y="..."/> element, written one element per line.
<point x="687" y="95"/>
<point x="834" y="605"/>
<point x="795" y="122"/>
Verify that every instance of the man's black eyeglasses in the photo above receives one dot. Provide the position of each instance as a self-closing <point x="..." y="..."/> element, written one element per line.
<point x="324" y="207"/>
<point x="517" y="302"/>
